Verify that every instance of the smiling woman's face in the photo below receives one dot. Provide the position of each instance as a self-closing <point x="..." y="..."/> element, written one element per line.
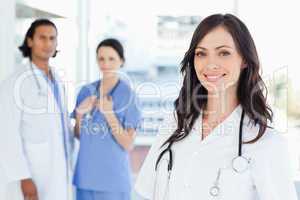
<point x="217" y="61"/>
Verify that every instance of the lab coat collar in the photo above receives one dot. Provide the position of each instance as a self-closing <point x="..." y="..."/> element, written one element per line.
<point x="39" y="72"/>
<point x="228" y="129"/>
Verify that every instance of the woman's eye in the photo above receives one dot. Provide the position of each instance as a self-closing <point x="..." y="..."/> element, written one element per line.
<point x="224" y="53"/>
<point x="111" y="59"/>
<point x="200" y="54"/>
<point x="42" y="38"/>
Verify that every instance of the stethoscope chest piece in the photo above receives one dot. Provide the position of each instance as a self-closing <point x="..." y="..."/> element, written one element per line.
<point x="240" y="164"/>
<point x="214" y="191"/>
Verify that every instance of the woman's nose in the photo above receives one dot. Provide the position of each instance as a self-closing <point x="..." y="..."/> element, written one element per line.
<point x="212" y="66"/>
<point x="104" y="63"/>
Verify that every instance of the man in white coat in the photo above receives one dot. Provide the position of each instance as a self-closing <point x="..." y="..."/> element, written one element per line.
<point x="36" y="140"/>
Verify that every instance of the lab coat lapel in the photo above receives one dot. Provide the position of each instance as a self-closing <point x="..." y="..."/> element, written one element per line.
<point x="226" y="131"/>
<point x="61" y="88"/>
<point x="62" y="97"/>
<point x="64" y="111"/>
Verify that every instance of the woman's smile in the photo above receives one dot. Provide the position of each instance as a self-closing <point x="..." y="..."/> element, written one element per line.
<point x="214" y="77"/>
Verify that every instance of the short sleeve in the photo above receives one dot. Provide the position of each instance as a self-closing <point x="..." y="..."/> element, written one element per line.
<point x="271" y="171"/>
<point x="133" y="114"/>
<point x="145" y="182"/>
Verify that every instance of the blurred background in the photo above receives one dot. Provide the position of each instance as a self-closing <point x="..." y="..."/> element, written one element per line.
<point x="156" y="35"/>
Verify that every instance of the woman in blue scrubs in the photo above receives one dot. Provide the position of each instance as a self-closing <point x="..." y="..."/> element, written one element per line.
<point x="107" y="116"/>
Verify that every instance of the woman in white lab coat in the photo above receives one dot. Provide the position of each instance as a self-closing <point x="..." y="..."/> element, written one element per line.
<point x="219" y="144"/>
<point x="35" y="134"/>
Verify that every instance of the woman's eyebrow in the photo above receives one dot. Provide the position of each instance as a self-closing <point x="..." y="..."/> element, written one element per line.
<point x="219" y="47"/>
<point x="223" y="46"/>
<point x="198" y="47"/>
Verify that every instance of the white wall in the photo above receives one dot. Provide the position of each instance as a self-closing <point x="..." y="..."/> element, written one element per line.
<point x="7" y="31"/>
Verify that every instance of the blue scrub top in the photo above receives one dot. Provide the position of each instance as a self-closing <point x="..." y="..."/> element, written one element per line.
<point x="103" y="164"/>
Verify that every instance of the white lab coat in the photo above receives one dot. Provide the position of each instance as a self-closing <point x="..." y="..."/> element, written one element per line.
<point x="196" y="163"/>
<point x="31" y="144"/>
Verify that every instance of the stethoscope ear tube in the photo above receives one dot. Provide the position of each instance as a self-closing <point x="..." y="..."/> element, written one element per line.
<point x="241" y="133"/>
<point x="170" y="164"/>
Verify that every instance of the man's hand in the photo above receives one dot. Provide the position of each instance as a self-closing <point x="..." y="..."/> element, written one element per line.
<point x="29" y="190"/>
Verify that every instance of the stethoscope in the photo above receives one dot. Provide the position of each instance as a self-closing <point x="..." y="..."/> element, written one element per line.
<point x="37" y="83"/>
<point x="239" y="164"/>
<point x="94" y="127"/>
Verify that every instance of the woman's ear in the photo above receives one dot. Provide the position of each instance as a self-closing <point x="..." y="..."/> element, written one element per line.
<point x="29" y="42"/>
<point x="122" y="63"/>
<point x="244" y="65"/>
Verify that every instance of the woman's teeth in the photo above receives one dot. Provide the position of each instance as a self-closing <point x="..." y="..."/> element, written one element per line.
<point x="213" y="78"/>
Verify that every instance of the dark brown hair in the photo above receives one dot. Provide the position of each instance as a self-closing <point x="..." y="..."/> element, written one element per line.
<point x="250" y="91"/>
<point x="113" y="43"/>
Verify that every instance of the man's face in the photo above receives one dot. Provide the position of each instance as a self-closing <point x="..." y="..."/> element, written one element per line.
<point x="44" y="42"/>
